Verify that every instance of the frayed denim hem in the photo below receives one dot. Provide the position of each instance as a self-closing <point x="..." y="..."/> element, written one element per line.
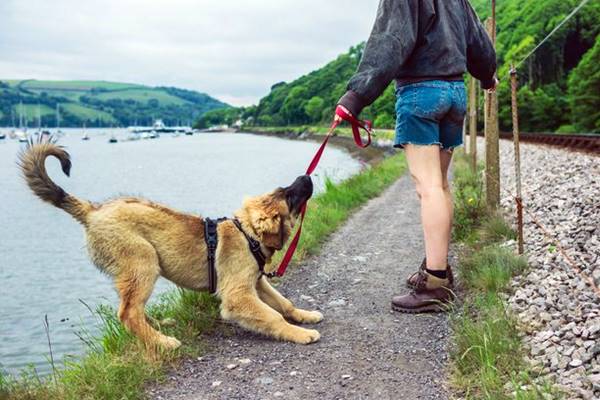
<point x="449" y="148"/>
<point x="402" y="144"/>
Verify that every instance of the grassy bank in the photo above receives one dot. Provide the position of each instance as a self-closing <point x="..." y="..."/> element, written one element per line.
<point x="117" y="367"/>
<point x="488" y="355"/>
<point x="384" y="134"/>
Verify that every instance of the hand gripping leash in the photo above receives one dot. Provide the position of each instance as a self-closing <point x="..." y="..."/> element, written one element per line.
<point x="357" y="125"/>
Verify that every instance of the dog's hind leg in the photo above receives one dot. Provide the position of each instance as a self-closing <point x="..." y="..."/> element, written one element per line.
<point x="272" y="297"/>
<point x="243" y="306"/>
<point x="135" y="282"/>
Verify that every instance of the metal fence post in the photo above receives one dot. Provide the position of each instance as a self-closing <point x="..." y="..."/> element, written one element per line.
<point x="515" y="122"/>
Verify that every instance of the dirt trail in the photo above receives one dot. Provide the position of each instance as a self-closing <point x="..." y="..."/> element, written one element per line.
<point x="366" y="350"/>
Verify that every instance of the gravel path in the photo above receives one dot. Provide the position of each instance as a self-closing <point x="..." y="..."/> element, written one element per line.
<point x="558" y="309"/>
<point x="366" y="351"/>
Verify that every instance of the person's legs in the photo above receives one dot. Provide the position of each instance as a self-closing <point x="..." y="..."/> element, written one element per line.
<point x="445" y="160"/>
<point x="429" y="173"/>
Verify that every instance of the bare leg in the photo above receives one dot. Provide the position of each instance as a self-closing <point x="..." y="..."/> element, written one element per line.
<point x="425" y="164"/>
<point x="135" y="286"/>
<point x="243" y="306"/>
<point x="273" y="298"/>
<point x="445" y="160"/>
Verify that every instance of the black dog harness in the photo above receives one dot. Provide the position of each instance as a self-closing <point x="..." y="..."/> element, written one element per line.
<point x="212" y="240"/>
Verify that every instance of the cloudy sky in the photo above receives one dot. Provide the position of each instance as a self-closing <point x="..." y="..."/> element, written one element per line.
<point x="232" y="49"/>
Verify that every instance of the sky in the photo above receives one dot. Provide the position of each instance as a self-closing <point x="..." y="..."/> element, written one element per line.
<point x="233" y="50"/>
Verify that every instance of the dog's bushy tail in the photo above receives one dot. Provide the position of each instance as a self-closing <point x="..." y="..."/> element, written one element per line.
<point x="32" y="163"/>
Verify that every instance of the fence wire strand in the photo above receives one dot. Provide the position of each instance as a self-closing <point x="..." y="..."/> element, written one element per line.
<point x="552" y="238"/>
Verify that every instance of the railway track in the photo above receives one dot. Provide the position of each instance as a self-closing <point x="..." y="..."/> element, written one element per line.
<point x="589" y="143"/>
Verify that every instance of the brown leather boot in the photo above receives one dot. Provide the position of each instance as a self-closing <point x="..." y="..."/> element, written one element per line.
<point x="431" y="294"/>
<point x="411" y="282"/>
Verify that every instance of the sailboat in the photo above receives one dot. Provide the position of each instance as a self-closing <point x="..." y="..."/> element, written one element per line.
<point x="85" y="134"/>
<point x="58" y="131"/>
<point x="21" y="133"/>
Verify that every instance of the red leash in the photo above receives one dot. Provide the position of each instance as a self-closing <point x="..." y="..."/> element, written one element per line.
<point x="356" y="126"/>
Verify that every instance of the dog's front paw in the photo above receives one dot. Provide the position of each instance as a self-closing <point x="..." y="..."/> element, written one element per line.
<point x="306" y="336"/>
<point x="169" y="343"/>
<point x="307" y="317"/>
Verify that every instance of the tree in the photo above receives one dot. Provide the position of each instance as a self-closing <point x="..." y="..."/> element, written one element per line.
<point x="384" y="120"/>
<point x="293" y="106"/>
<point x="314" y="108"/>
<point x="584" y="92"/>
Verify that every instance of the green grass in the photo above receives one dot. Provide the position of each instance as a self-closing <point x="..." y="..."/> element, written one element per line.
<point x="142" y="96"/>
<point x="117" y="367"/>
<point x="30" y="111"/>
<point x="385" y="134"/>
<point x="87" y="113"/>
<point x="487" y="355"/>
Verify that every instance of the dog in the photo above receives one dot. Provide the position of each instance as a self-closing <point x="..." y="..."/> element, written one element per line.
<point x="135" y="241"/>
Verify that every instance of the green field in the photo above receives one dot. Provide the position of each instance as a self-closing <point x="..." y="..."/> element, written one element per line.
<point x="88" y="113"/>
<point x="30" y="111"/>
<point x="142" y="95"/>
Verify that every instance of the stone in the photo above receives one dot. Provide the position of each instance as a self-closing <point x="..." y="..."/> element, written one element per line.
<point x="575" y="363"/>
<point x="264" y="380"/>
<point x="216" y="383"/>
<point x="337" y="303"/>
<point x="544" y="316"/>
<point x="231" y="366"/>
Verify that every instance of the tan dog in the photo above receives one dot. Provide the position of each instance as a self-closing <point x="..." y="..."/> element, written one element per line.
<point x="136" y="241"/>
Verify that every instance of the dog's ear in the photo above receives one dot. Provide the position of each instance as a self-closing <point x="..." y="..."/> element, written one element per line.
<point x="267" y="221"/>
<point x="273" y="236"/>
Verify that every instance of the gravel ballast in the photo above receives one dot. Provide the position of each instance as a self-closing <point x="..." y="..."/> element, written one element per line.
<point x="366" y="351"/>
<point x="557" y="306"/>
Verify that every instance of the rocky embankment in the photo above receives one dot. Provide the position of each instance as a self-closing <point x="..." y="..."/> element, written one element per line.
<point x="558" y="305"/>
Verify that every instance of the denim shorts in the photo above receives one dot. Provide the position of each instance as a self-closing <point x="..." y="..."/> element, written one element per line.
<point x="431" y="113"/>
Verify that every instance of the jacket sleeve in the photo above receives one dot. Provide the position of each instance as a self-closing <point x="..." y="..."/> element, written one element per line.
<point x="481" y="56"/>
<point x="392" y="41"/>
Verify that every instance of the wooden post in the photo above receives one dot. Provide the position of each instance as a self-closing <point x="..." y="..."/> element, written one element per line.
<point x="492" y="140"/>
<point x="473" y="123"/>
<point x="464" y="136"/>
<point x="515" y="122"/>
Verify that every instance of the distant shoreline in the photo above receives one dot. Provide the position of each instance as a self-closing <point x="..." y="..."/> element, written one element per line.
<point x="371" y="155"/>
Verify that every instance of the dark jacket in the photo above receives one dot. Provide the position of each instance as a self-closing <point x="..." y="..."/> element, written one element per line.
<point x="418" y="40"/>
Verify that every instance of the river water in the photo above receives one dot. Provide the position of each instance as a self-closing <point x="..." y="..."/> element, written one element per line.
<point x="44" y="269"/>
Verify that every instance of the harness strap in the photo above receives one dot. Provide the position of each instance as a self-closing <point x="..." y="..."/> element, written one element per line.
<point x="255" y="249"/>
<point x="212" y="240"/>
<point x="357" y="125"/>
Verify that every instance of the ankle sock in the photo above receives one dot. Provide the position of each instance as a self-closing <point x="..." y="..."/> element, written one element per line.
<point x="438" y="274"/>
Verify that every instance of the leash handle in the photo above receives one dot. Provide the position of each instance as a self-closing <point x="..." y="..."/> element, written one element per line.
<point x="357" y="125"/>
